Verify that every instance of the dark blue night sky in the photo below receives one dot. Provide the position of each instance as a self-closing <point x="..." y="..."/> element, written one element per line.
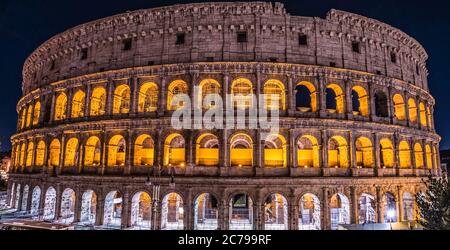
<point x="25" y="24"/>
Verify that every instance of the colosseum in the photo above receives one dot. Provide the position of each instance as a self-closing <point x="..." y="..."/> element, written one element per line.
<point x="95" y="146"/>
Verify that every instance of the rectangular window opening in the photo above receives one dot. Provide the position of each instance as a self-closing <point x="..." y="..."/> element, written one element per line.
<point x="356" y="47"/>
<point x="84" y="54"/>
<point x="127" y="44"/>
<point x="180" y="38"/>
<point x="242" y="37"/>
<point x="302" y="39"/>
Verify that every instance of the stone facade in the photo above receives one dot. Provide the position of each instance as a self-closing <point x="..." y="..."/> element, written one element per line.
<point x="73" y="142"/>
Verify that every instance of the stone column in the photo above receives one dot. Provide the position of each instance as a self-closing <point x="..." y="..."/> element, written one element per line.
<point x="46" y="155"/>
<point x="352" y="156"/>
<point x="225" y="149"/>
<point x="59" y="192"/>
<point x="322" y="91"/>
<point x="189" y="148"/>
<point x="87" y="101"/>
<point x="291" y="96"/>
<point x="354" y="206"/>
<point x="62" y="155"/>
<point x="376" y="154"/>
<point x="408" y="121"/>
<point x="400" y="204"/>
<point x="134" y="89"/>
<point x="99" y="210"/>
<point x="163" y="97"/>
<point x="324" y="151"/>
<point x="104" y="158"/>
<point x="69" y="104"/>
<point x="390" y="104"/>
<point x="52" y="110"/>
<point x="226" y="214"/>
<point x="259" y="151"/>
<point x="109" y="97"/>
<point x="129" y="152"/>
<point x="293" y="149"/>
<point x="78" y="199"/>
<point x="348" y="106"/>
<point x="326" y="225"/>
<point x="125" y="216"/>
<point x="189" y="216"/>
<point x="19" y="206"/>
<point x="379" y="208"/>
<point x="29" y="199"/>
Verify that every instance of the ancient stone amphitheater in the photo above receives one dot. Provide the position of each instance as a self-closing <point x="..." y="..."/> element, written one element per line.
<point x="95" y="145"/>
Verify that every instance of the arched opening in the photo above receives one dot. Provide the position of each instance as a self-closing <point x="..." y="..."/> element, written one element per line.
<point x="275" y="98"/>
<point x="144" y="149"/>
<point x="206" y="212"/>
<point x="88" y="207"/>
<point x="113" y="210"/>
<point x="35" y="200"/>
<point x="386" y="153"/>
<point x="381" y="104"/>
<point x="26" y="189"/>
<point x="399" y="107"/>
<point x="17" y="196"/>
<point x="172" y="214"/>
<point x="275" y="151"/>
<point x="17" y="156"/>
<point x="36" y="113"/>
<point x="360" y="101"/>
<point x="148" y="98"/>
<point x="429" y="156"/>
<point x="50" y="204"/>
<point x="408" y="207"/>
<point x="337" y="152"/>
<point x="177" y="87"/>
<point x="404" y="154"/>
<point x="71" y="155"/>
<point x="389" y="208"/>
<point x="241" y="212"/>
<point x="116" y="151"/>
<point x="364" y="152"/>
<point x="423" y="115"/>
<point x="306" y="97"/>
<point x="366" y="210"/>
<point x="242" y="93"/>
<point x="29" y="113"/>
<point x="40" y="154"/>
<point x="78" y="102"/>
<point x="55" y="151"/>
<point x="23" y="118"/>
<point x="92" y="152"/>
<point x="61" y="107"/>
<point x="207" y="150"/>
<point x="22" y="154"/>
<point x="208" y="87"/>
<point x="334" y="99"/>
<point x="412" y="110"/>
<point x="307" y="152"/>
<point x="30" y="150"/>
<point x="241" y="150"/>
<point x="68" y="206"/>
<point x="418" y="155"/>
<point x="141" y="211"/>
<point x="309" y="213"/>
<point x="121" y="100"/>
<point x="276" y="213"/>
<point x="339" y="211"/>
<point x="174" y="150"/>
<point x="98" y="101"/>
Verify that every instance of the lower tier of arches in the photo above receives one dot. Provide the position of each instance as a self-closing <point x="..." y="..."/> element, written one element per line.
<point x="215" y="203"/>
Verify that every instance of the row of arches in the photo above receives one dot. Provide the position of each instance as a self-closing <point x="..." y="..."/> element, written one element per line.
<point x="207" y="147"/>
<point x="306" y="96"/>
<point x="206" y="209"/>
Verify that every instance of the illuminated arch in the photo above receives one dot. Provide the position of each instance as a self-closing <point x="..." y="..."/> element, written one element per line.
<point x="276" y="213"/>
<point x="116" y="151"/>
<point x="177" y="87"/>
<point x="144" y="151"/>
<point x="23" y="117"/>
<point x="36" y="113"/>
<point x="381" y="104"/>
<point x="389" y="208"/>
<point x="428" y="155"/>
<point x="367" y="209"/>
<point x="404" y="154"/>
<point x="17" y="156"/>
<point x="335" y="99"/>
<point x="148" y="97"/>
<point x="242" y="90"/>
<point x="418" y="155"/>
<point x="306" y="97"/>
<point x="22" y="154"/>
<point x="207" y="150"/>
<point x="241" y="150"/>
<point x="61" y="107"/>
<point x="172" y="216"/>
<point x="174" y="150"/>
<point x="92" y="151"/>
<point x="141" y="210"/>
<point x="29" y="113"/>
<point x="309" y="214"/>
<point x="121" y="99"/>
<point x="71" y="154"/>
<point x="337" y="152"/>
<point x="386" y="153"/>
<point x="88" y="207"/>
<point x="399" y="107"/>
<point x="423" y="115"/>
<point x="78" y="102"/>
<point x="364" y="152"/>
<point x="206" y="212"/>
<point x="360" y="101"/>
<point x="275" y="151"/>
<point x="30" y="150"/>
<point x="241" y="212"/>
<point x="276" y="97"/>
<point x="68" y="206"/>
<point x="98" y="101"/>
<point x="112" y="215"/>
<point x="50" y="204"/>
<point x="412" y="110"/>
<point x="339" y="210"/>
<point x="40" y="154"/>
<point x="208" y="87"/>
<point x="308" y="151"/>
